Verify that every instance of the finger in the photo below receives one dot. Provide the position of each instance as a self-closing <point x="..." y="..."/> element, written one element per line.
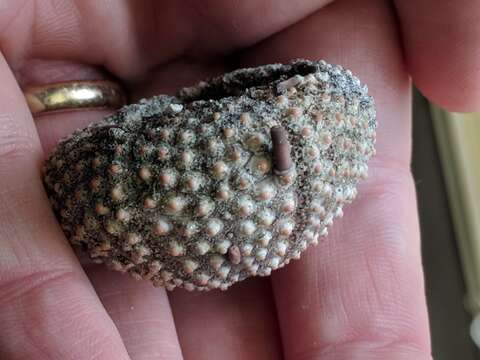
<point x="441" y="48"/>
<point x="241" y="322"/>
<point x="359" y="294"/>
<point x="146" y="33"/>
<point x="140" y="312"/>
<point x="48" y="308"/>
<point x="236" y="324"/>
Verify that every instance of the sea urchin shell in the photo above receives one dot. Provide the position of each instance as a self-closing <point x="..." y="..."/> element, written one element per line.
<point x="230" y="178"/>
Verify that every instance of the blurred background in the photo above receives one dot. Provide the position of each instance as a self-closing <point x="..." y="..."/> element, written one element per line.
<point x="449" y="254"/>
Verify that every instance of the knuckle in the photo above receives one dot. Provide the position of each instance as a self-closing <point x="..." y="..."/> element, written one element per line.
<point x="16" y="141"/>
<point x="15" y="287"/>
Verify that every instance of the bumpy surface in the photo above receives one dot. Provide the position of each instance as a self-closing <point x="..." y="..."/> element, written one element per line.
<point x="181" y="190"/>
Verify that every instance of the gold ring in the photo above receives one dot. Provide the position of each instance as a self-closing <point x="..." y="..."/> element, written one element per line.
<point x="74" y="95"/>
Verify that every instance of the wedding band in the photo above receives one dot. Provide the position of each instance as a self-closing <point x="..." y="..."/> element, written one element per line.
<point x="74" y="95"/>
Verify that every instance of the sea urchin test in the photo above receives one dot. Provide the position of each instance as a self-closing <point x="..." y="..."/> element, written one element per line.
<point x="231" y="178"/>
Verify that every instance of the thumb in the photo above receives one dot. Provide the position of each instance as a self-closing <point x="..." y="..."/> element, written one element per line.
<point x="48" y="309"/>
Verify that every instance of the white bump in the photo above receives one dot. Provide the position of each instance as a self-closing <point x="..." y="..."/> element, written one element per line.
<point x="149" y="203"/>
<point x="313" y="152"/>
<point x="266" y="218"/>
<point x="176" y="108"/>
<point x="228" y="132"/>
<point x="100" y="209"/>
<point x="325" y="139"/>
<point x="255" y="141"/>
<point x="245" y="119"/>
<point x="214" y="226"/>
<point x="162" y="227"/>
<point x="220" y="169"/>
<point x="286" y="227"/>
<point x="243" y="182"/>
<point x="189" y="266"/>
<point x="223" y="193"/>
<point x="309" y="235"/>
<point x="282" y="100"/>
<point x="163" y="153"/>
<point x="216" y="261"/>
<point x="144" y="174"/>
<point x="339" y="196"/>
<point x="265" y="271"/>
<point x="202" y="279"/>
<point x="205" y="207"/>
<point x="213" y="146"/>
<point x="167" y="178"/>
<point x="214" y="284"/>
<point x="328" y="220"/>
<point x="165" y="134"/>
<point x="175" y="204"/>
<point x="264" y="238"/>
<point x="339" y="212"/>
<point x="117" y="193"/>
<point x="306" y="131"/>
<point x="261" y="254"/>
<point x="247" y="227"/>
<point x="154" y="267"/>
<point x="96" y="162"/>
<point x="186" y="158"/>
<point x="265" y="191"/>
<point x="281" y="248"/>
<point x="288" y="204"/>
<point x="222" y="246"/>
<point x="115" y="169"/>
<point x="317" y="186"/>
<point x="122" y="215"/>
<point x="247" y="249"/>
<point x="132" y="238"/>
<point x="317" y="207"/>
<point x="327" y="189"/>
<point x="192" y="183"/>
<point x="302" y="245"/>
<point x="186" y="136"/>
<point x="176" y="249"/>
<point x="235" y="155"/>
<point x="274" y="262"/>
<point x="314" y="220"/>
<point x="245" y="206"/>
<point x="202" y="247"/>
<point x="223" y="271"/>
<point x="261" y="165"/>
<point x="252" y="270"/>
<point x="248" y="261"/>
<point x="294" y="111"/>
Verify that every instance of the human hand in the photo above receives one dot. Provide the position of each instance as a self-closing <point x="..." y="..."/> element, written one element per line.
<point x="357" y="295"/>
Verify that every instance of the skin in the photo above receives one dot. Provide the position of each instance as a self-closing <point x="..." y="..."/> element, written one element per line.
<point x="357" y="295"/>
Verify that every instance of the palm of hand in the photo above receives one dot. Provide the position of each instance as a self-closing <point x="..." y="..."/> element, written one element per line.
<point x="358" y="294"/>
